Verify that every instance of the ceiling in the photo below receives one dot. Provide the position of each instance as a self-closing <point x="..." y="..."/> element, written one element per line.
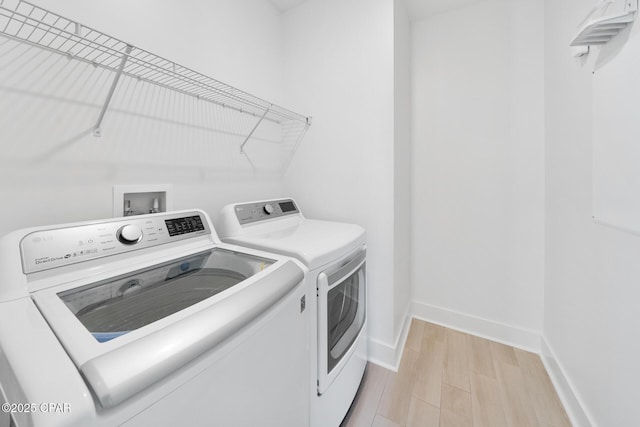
<point x="284" y="5"/>
<point x="418" y="9"/>
<point x="421" y="9"/>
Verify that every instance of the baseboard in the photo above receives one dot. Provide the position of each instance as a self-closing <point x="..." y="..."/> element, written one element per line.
<point x="572" y="403"/>
<point x="389" y="356"/>
<point x="507" y="334"/>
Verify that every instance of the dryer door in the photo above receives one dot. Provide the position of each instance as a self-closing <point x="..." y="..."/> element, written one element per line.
<point x="342" y="314"/>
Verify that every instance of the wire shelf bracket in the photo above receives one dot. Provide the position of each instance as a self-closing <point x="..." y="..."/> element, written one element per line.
<point x="27" y="23"/>
<point x="253" y="130"/>
<point x="97" y="131"/>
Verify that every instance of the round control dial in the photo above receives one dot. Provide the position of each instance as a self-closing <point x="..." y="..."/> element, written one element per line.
<point x="130" y="234"/>
<point x="268" y="209"/>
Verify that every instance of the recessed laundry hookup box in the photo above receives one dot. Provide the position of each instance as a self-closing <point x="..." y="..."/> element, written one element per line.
<point x="131" y="200"/>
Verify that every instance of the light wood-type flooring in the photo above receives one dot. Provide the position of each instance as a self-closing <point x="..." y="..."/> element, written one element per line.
<point x="449" y="378"/>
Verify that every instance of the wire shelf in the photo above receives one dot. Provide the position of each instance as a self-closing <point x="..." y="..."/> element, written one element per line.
<point x="28" y="23"/>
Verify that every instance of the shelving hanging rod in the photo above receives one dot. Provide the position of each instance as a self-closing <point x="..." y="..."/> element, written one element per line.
<point x="96" y="130"/>
<point x="254" y="129"/>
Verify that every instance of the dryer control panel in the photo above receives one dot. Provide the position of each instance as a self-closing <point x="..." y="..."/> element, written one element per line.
<point x="253" y="212"/>
<point x="45" y="249"/>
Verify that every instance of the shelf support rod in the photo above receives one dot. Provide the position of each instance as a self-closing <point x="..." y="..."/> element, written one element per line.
<point x="254" y="128"/>
<point x="96" y="130"/>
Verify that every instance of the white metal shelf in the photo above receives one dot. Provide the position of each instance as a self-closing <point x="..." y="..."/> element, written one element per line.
<point x="605" y="21"/>
<point x="28" y="23"/>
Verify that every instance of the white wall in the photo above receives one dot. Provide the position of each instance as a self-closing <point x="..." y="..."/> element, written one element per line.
<point x="402" y="164"/>
<point x="339" y="66"/>
<point x="592" y="271"/>
<point x="239" y="43"/>
<point x="478" y="169"/>
<point x="53" y="170"/>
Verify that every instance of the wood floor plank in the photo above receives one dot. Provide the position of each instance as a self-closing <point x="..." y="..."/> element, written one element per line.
<point x="432" y="333"/>
<point x="486" y="406"/>
<point x="428" y="382"/>
<point x="414" y="339"/>
<point x="452" y="419"/>
<point x="503" y="353"/>
<point x="381" y="421"/>
<point x="456" y="370"/>
<point x="396" y="398"/>
<point x="427" y="385"/>
<point x="456" y="400"/>
<point x="545" y="400"/>
<point x="480" y="358"/>
<point x="421" y="414"/>
<point x="365" y="405"/>
<point x="517" y="406"/>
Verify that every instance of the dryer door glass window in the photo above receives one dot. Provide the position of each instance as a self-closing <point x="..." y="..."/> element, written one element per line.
<point x="345" y="315"/>
<point x="112" y="308"/>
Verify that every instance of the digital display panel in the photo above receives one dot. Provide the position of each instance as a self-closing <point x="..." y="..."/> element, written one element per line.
<point x="185" y="225"/>
<point x="287" y="206"/>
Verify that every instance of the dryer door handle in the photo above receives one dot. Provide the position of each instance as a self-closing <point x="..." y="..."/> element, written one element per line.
<point x="120" y="374"/>
<point x="353" y="265"/>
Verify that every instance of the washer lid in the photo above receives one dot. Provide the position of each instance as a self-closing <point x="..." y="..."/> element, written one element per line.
<point x="313" y="242"/>
<point x="132" y="330"/>
<point x="119" y="305"/>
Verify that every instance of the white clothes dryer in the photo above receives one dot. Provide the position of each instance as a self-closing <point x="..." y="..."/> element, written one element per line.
<point x="149" y="321"/>
<point x="335" y="254"/>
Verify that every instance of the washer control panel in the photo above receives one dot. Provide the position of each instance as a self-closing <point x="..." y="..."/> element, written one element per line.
<point x="57" y="247"/>
<point x="260" y="211"/>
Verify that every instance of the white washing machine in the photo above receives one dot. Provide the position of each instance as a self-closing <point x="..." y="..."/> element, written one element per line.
<point x="149" y="321"/>
<point x="335" y="254"/>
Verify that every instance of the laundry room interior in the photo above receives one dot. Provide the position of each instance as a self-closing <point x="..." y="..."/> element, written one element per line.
<point x="491" y="164"/>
